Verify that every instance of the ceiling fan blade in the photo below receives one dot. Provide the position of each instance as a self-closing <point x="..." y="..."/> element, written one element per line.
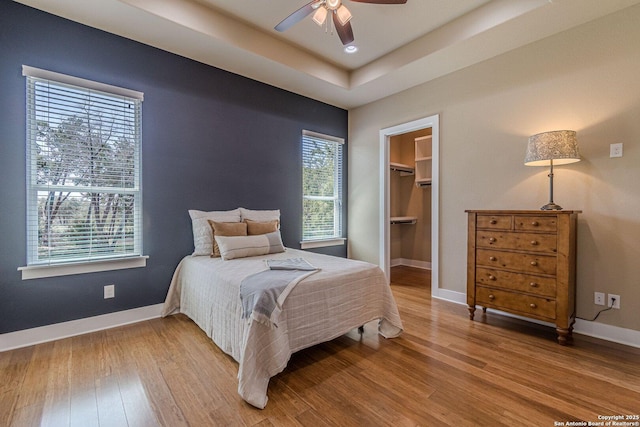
<point x="297" y="16"/>
<point x="345" y="32"/>
<point x="381" y="1"/>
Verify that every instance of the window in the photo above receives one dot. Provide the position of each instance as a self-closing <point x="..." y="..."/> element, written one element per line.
<point x="321" y="188"/>
<point x="84" y="195"/>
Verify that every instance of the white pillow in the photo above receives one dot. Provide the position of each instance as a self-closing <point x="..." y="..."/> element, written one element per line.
<point x="259" y="215"/>
<point x="202" y="234"/>
<point x="232" y="247"/>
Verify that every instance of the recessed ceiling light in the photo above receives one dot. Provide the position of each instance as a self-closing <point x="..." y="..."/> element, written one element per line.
<point x="351" y="49"/>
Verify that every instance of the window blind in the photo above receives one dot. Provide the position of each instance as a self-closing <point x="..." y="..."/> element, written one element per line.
<point x="322" y="186"/>
<point x="84" y="195"/>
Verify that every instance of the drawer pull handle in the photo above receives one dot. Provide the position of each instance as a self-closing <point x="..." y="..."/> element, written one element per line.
<point x="492" y="277"/>
<point x="534" y="242"/>
<point x="492" y="239"/>
<point x="533" y="284"/>
<point x="491" y="297"/>
<point x="532" y="305"/>
<point x="534" y="263"/>
<point x="492" y="258"/>
<point x="534" y="223"/>
<point x="493" y="222"/>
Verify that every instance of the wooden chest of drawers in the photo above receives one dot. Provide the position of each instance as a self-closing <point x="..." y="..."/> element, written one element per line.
<point x="524" y="263"/>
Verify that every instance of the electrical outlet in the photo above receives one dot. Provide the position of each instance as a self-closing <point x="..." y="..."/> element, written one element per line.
<point x="598" y="298"/>
<point x="615" y="150"/>
<point x="615" y="304"/>
<point x="109" y="291"/>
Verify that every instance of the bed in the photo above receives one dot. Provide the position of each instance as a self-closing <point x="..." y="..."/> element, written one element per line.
<point x="342" y="295"/>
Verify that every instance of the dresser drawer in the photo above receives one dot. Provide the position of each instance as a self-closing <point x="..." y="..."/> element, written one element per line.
<point x="495" y="222"/>
<point x="536" y="223"/>
<point x="525" y="262"/>
<point x="517" y="241"/>
<point x="538" y="285"/>
<point x="496" y="298"/>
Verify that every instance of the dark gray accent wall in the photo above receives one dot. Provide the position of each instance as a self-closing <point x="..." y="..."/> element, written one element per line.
<point x="212" y="140"/>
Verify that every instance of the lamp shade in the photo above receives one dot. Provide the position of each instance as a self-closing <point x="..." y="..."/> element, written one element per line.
<point x="561" y="146"/>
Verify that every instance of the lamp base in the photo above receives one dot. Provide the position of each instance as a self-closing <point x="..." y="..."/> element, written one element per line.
<point x="551" y="207"/>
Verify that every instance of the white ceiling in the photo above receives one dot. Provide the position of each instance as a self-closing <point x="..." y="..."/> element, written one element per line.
<point x="400" y="46"/>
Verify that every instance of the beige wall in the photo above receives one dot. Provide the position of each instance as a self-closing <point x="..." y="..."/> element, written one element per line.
<point x="586" y="79"/>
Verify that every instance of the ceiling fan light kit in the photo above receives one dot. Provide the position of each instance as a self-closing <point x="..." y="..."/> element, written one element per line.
<point x="320" y="16"/>
<point x="341" y="16"/>
<point x="342" y="13"/>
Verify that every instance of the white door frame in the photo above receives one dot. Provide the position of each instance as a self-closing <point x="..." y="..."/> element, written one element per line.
<point x="432" y="122"/>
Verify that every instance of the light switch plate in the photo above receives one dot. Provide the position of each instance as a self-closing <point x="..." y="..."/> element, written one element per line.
<point x="615" y="150"/>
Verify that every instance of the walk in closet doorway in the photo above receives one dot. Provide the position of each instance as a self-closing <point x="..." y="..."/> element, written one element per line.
<point x="409" y="196"/>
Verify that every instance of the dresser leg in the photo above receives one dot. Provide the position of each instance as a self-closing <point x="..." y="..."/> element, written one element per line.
<point x="472" y="311"/>
<point x="570" y="337"/>
<point x="564" y="335"/>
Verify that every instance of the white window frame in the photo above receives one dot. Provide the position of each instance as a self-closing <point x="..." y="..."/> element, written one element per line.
<point x="336" y="238"/>
<point x="48" y="267"/>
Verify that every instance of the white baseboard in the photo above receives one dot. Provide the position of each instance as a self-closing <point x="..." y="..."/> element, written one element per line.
<point x="426" y="265"/>
<point x="42" y="334"/>
<point x="629" y="337"/>
<point x="57" y="331"/>
<point x="615" y="334"/>
<point x="447" y="295"/>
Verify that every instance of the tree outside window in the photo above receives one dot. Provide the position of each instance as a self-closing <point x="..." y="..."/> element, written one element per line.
<point x="83" y="180"/>
<point x="322" y="186"/>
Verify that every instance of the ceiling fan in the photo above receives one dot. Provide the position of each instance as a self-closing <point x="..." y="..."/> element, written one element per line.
<point x="339" y="12"/>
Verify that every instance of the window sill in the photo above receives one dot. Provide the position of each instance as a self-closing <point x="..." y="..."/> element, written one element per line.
<point x="42" y="271"/>
<point x="310" y="244"/>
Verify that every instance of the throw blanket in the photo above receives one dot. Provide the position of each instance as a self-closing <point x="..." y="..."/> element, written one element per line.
<point x="290" y="264"/>
<point x="262" y="294"/>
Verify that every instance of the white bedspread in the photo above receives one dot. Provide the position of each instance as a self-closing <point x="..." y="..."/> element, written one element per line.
<point x="343" y="295"/>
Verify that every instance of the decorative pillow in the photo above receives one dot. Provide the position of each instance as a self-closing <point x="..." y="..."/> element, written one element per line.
<point x="259" y="215"/>
<point x="232" y="247"/>
<point x="226" y="229"/>
<point x="202" y="235"/>
<point x="261" y="227"/>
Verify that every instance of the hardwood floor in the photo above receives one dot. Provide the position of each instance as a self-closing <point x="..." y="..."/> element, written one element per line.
<point x="443" y="370"/>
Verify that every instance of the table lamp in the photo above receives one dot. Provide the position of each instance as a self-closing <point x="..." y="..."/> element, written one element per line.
<point x="558" y="147"/>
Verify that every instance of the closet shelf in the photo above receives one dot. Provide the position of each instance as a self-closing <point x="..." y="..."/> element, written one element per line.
<point x="404" y="170"/>
<point x="424" y="159"/>
<point x="403" y="219"/>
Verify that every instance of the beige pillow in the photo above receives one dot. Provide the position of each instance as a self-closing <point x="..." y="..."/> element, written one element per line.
<point x="232" y="247"/>
<point x="261" y="227"/>
<point x="225" y="229"/>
